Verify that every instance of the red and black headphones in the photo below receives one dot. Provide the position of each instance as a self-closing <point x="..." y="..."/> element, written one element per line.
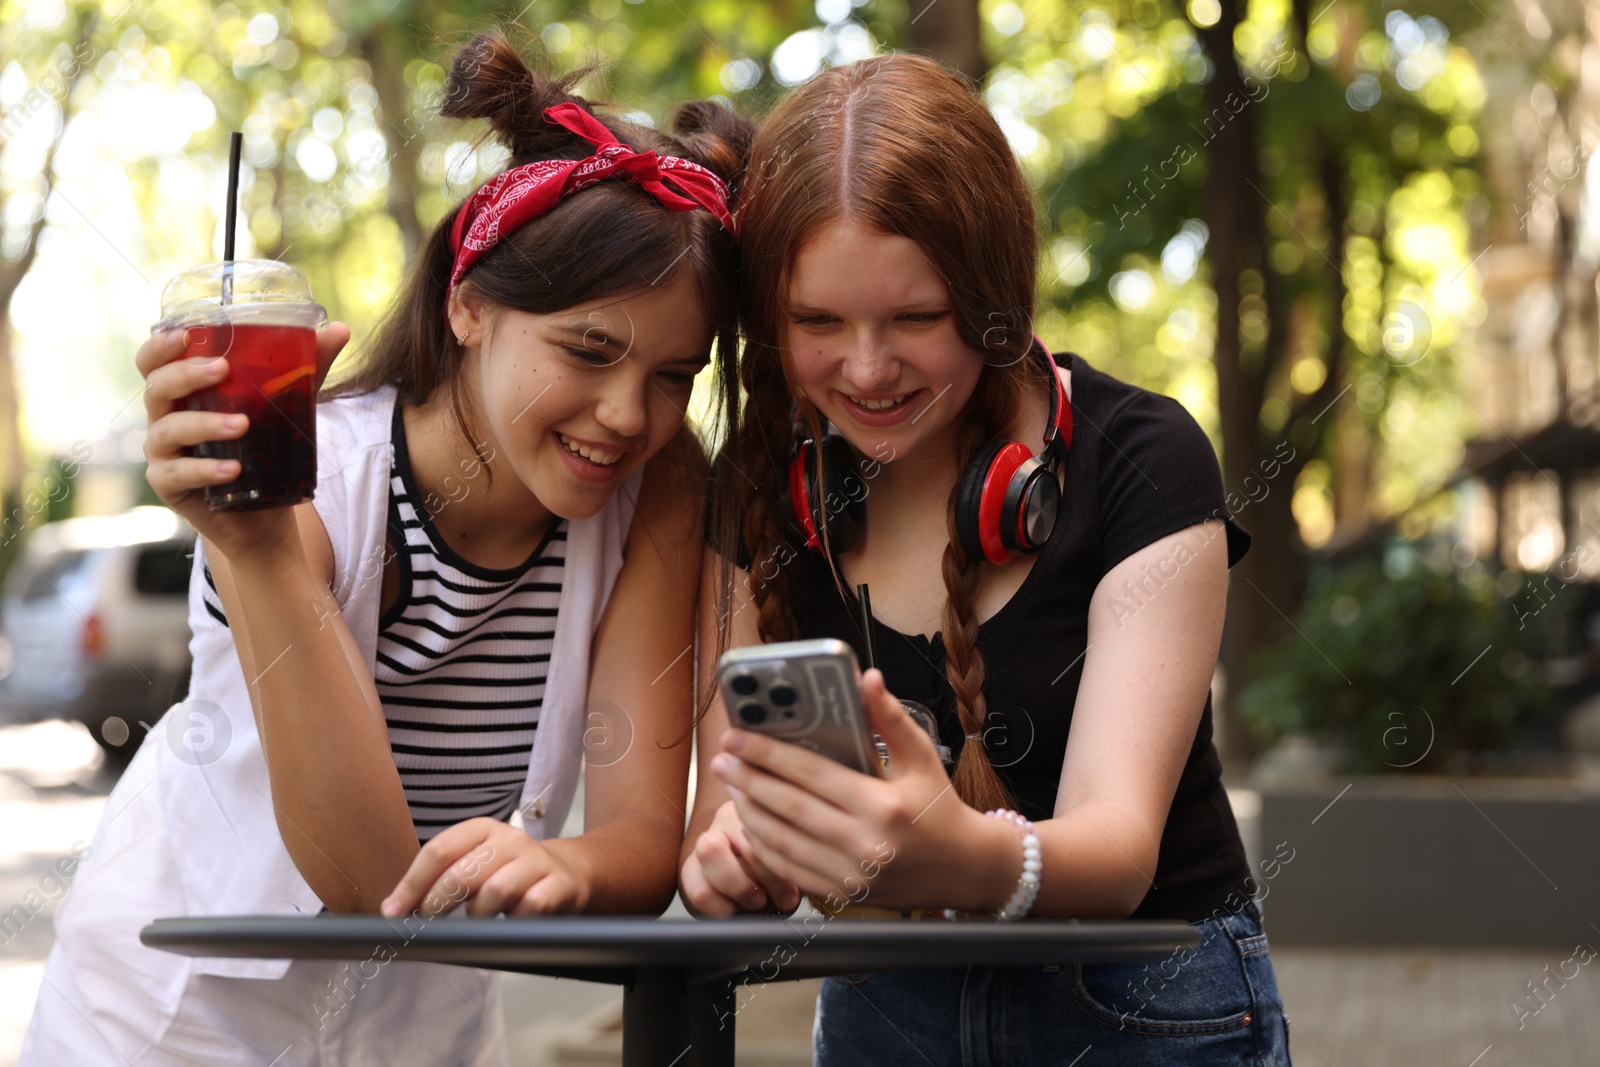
<point x="1006" y="506"/>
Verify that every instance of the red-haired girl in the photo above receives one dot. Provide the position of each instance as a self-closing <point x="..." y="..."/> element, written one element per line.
<point x="1047" y="551"/>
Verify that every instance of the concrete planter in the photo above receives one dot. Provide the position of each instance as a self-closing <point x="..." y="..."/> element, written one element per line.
<point x="1428" y="860"/>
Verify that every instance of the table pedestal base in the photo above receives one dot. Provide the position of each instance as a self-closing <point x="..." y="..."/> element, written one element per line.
<point x="668" y="1022"/>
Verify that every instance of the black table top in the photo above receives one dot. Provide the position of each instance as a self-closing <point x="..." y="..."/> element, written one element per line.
<point x="614" y="949"/>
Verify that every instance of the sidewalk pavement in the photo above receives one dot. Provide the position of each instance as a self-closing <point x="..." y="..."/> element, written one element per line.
<point x="1349" y="1007"/>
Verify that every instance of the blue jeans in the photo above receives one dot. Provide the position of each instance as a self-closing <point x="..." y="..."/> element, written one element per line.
<point x="1215" y="1004"/>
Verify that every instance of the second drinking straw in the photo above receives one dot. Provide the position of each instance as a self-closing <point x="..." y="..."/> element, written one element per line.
<point x="866" y="623"/>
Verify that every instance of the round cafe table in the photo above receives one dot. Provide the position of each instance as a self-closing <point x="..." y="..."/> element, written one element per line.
<point x="680" y="978"/>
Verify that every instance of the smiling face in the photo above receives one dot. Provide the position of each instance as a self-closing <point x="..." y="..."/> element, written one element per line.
<point x="870" y="327"/>
<point x="576" y="400"/>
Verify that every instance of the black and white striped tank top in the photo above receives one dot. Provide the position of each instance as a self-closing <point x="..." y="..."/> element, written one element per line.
<point x="463" y="653"/>
<point x="462" y="657"/>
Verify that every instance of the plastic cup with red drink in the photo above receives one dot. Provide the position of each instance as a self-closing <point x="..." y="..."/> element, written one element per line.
<point x="259" y="316"/>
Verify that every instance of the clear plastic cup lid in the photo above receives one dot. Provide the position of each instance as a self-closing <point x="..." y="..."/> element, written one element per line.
<point x="924" y="718"/>
<point x="258" y="290"/>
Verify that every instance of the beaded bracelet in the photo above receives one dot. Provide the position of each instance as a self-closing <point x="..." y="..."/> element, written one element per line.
<point x="1028" y="884"/>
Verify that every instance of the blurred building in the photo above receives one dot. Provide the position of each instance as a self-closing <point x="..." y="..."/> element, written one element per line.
<point x="1530" y="481"/>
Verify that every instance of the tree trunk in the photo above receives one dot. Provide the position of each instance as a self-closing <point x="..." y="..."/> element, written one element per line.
<point x="949" y="31"/>
<point x="13" y="464"/>
<point x="1352" y="481"/>
<point x="383" y="49"/>
<point x="1233" y="217"/>
<point x="1260" y="469"/>
<point x="279" y="246"/>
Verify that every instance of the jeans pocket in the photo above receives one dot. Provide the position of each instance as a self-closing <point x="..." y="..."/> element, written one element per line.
<point x="1191" y="992"/>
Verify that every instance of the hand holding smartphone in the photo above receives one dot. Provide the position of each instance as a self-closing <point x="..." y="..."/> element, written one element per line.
<point x="804" y="692"/>
<point x="809" y="693"/>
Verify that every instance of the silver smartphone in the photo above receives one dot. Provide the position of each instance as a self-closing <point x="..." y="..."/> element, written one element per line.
<point x="804" y="692"/>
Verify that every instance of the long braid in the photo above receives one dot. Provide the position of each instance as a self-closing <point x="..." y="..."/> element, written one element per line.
<point x="742" y="517"/>
<point x="975" y="779"/>
<point x="767" y="429"/>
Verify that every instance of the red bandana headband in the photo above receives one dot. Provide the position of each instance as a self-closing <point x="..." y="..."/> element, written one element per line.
<point x="521" y="194"/>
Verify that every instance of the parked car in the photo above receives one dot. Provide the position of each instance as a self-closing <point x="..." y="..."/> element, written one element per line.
<point x="95" y="611"/>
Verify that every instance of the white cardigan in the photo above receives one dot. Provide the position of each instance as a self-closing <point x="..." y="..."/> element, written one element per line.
<point x="190" y="830"/>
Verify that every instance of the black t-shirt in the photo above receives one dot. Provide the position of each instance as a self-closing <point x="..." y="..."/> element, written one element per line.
<point x="1140" y="468"/>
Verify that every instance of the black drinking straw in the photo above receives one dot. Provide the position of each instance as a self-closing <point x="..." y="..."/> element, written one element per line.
<point x="866" y="623"/>
<point x="235" y="143"/>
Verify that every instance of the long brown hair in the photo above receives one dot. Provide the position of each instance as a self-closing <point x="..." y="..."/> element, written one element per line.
<point x="613" y="239"/>
<point x="897" y="144"/>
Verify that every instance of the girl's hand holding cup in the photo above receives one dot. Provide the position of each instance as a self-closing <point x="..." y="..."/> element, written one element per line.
<point x="176" y="365"/>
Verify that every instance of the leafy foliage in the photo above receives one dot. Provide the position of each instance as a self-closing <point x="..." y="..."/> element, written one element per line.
<point x="1381" y="664"/>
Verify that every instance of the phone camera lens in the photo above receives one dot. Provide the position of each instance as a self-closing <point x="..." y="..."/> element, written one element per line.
<point x="744" y="684"/>
<point x="783" y="694"/>
<point x="753" y="713"/>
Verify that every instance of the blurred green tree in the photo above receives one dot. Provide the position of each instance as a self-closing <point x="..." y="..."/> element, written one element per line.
<point x="1259" y="208"/>
<point x="1372" y="672"/>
